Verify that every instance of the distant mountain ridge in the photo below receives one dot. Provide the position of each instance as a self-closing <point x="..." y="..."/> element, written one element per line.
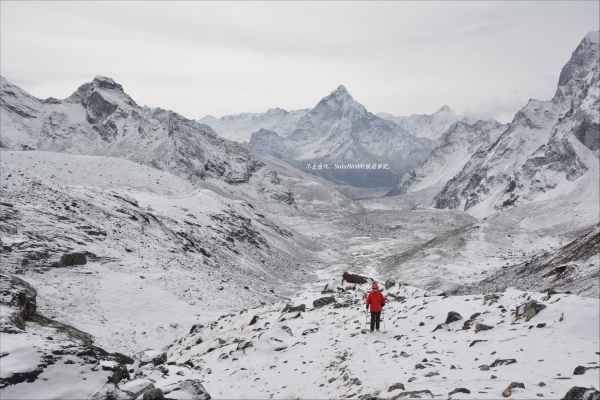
<point x="101" y="119"/>
<point x="429" y="126"/>
<point x="239" y="127"/>
<point x="340" y="131"/>
<point x="550" y="149"/>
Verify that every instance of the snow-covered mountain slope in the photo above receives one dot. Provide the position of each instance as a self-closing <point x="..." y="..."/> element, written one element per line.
<point x="325" y="352"/>
<point x="458" y="144"/>
<point x="156" y="246"/>
<point x="45" y="359"/>
<point x="549" y="151"/>
<point x="429" y="126"/>
<point x="574" y="267"/>
<point x="239" y="127"/>
<point x="101" y="119"/>
<point x="340" y="131"/>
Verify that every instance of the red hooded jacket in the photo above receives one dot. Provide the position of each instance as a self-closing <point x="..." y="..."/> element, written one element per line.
<point x="376" y="300"/>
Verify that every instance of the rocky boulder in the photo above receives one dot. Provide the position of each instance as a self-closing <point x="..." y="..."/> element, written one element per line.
<point x="155" y="357"/>
<point x="323" y="301"/>
<point x="482" y="327"/>
<point x="71" y="259"/>
<point x="389" y="283"/>
<point x="459" y="390"/>
<point x="581" y="393"/>
<point x="529" y="309"/>
<point x="499" y="362"/>
<point x="291" y="308"/>
<point x="18" y="301"/>
<point x="452" y="316"/>
<point x="191" y="387"/>
<point x="353" y="278"/>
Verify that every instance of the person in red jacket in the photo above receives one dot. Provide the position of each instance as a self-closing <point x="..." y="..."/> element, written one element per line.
<point x="376" y="301"/>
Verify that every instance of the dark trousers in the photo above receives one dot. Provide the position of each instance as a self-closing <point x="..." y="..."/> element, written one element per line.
<point x="375" y="318"/>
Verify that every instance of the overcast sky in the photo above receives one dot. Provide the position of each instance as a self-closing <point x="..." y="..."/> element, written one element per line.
<point x="219" y="58"/>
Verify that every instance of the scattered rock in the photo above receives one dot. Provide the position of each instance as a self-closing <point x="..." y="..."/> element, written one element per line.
<point x="482" y="327"/>
<point x="530" y="309"/>
<point x="108" y="391"/>
<point x="441" y="326"/>
<point x="71" y="259"/>
<point x="309" y="331"/>
<point x="244" y="344"/>
<point x="539" y="394"/>
<point x="389" y="283"/>
<point x="413" y="395"/>
<point x="476" y="341"/>
<point x="581" y="393"/>
<point x="506" y="393"/>
<point x="579" y="370"/>
<point x="419" y="366"/>
<point x="155" y="357"/>
<point x="459" y="390"/>
<point x="191" y="387"/>
<point x="541" y="384"/>
<point x="484" y="367"/>
<point x="119" y="372"/>
<point x="493" y="377"/>
<point x="254" y="319"/>
<point x="499" y="362"/>
<point x="491" y="298"/>
<point x="396" y="386"/>
<point x="154" y="394"/>
<point x="452" y="367"/>
<point x="291" y="308"/>
<point x="412" y="379"/>
<point x="514" y="385"/>
<point x="323" y="301"/>
<point x="289" y="315"/>
<point x="288" y="330"/>
<point x="452" y="316"/>
<point x="477" y="314"/>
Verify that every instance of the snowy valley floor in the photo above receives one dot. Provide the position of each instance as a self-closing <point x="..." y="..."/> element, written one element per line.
<point x="177" y="268"/>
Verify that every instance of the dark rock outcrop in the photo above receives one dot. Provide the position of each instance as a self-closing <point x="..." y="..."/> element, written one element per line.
<point x="354" y="278"/>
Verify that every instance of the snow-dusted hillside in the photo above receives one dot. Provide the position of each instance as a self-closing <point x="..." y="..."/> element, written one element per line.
<point x="101" y="119"/>
<point x="458" y="144"/>
<point x="239" y="127"/>
<point x="156" y="245"/>
<point x="549" y="151"/>
<point x="340" y="131"/>
<point x="429" y="126"/>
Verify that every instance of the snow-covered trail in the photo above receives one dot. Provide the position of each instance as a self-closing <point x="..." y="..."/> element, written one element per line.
<point x="324" y="353"/>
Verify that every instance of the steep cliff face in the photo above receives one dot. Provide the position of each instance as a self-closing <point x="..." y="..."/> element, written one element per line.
<point x="101" y="119"/>
<point x="340" y="131"/>
<point x="549" y="150"/>
<point x="458" y="144"/>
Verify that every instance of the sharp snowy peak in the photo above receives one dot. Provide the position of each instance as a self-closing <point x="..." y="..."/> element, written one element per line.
<point x="239" y="127"/>
<point x="101" y="119"/>
<point x="458" y="144"/>
<point x="429" y="126"/>
<point x="548" y="151"/>
<point x="340" y="131"/>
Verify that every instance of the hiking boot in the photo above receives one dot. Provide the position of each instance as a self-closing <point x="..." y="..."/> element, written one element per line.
<point x="371" y="330"/>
